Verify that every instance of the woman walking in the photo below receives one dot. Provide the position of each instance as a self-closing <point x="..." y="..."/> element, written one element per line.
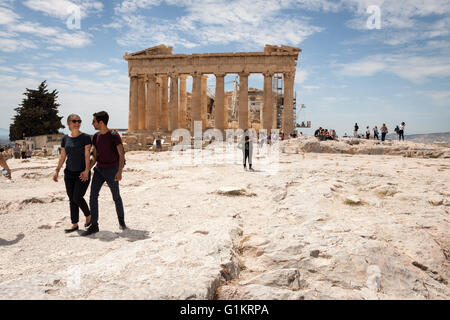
<point x="76" y="147"/>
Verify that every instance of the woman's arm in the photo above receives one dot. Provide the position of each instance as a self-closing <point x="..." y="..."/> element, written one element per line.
<point x="62" y="158"/>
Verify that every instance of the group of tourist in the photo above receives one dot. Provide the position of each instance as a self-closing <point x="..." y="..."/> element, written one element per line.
<point x="384" y="131"/>
<point x="20" y="151"/>
<point x="325" y="134"/>
<point x="81" y="153"/>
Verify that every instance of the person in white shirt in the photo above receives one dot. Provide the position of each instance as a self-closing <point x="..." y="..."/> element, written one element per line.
<point x="401" y="132"/>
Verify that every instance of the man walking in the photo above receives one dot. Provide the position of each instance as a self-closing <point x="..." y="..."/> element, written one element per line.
<point x="108" y="153"/>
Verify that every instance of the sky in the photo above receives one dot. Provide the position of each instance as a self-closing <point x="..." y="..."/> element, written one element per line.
<point x="364" y="61"/>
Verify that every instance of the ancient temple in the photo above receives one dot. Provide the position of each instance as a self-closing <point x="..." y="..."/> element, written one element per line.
<point x="159" y="99"/>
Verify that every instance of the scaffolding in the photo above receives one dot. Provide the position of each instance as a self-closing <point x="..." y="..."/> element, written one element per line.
<point x="278" y="90"/>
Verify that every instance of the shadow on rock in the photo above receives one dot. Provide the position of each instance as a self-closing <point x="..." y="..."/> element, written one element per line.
<point x="130" y="234"/>
<point x="4" y="242"/>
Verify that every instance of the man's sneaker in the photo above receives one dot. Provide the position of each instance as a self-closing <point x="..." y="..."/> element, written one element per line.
<point x="122" y="224"/>
<point x="91" y="230"/>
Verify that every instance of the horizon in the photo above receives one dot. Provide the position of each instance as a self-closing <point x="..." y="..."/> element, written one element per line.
<point x="355" y="65"/>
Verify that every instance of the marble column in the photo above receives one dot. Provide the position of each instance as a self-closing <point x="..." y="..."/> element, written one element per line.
<point x="219" y="111"/>
<point x="196" y="108"/>
<point x="164" y="103"/>
<point x="267" y="114"/>
<point x="151" y="112"/>
<point x="204" y="102"/>
<point x="183" y="102"/>
<point x="133" y="110"/>
<point x="288" y="109"/>
<point x="158" y="103"/>
<point x="243" y="101"/>
<point x="173" y="104"/>
<point x="141" y="103"/>
<point x="226" y="107"/>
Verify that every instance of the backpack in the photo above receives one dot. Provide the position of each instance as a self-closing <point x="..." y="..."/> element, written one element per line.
<point x="113" y="145"/>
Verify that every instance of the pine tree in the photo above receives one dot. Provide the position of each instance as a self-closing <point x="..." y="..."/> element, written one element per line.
<point x="36" y="115"/>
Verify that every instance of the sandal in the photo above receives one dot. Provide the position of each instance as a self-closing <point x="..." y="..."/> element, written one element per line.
<point x="71" y="230"/>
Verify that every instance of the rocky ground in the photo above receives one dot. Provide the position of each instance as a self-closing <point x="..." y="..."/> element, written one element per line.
<point x="325" y="226"/>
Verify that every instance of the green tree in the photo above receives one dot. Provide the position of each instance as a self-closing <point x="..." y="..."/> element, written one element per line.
<point x="36" y="115"/>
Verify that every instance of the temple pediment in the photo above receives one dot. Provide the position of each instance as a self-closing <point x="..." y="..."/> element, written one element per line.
<point x="285" y="49"/>
<point x="153" y="51"/>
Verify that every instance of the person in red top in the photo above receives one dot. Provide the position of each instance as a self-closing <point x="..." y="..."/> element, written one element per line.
<point x="108" y="153"/>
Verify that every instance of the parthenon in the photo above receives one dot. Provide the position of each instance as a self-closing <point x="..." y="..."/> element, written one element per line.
<point x="156" y="105"/>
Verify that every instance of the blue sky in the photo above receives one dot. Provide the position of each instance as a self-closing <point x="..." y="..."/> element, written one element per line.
<point x="346" y="73"/>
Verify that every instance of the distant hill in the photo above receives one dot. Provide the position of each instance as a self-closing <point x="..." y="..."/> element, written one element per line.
<point x="425" y="138"/>
<point x="4" y="136"/>
<point x="4" y="133"/>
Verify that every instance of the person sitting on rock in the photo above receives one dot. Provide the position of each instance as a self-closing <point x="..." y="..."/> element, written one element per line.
<point x="333" y="134"/>
<point x="317" y="132"/>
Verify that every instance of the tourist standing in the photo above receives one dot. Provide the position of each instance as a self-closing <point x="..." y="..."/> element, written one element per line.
<point x="384" y="131"/>
<point x="76" y="147"/>
<point x="355" y="132"/>
<point x="16" y="151"/>
<point x="401" y="132"/>
<point x="246" y="145"/>
<point x="375" y="133"/>
<point x="367" y="133"/>
<point x="108" y="154"/>
<point x="24" y="150"/>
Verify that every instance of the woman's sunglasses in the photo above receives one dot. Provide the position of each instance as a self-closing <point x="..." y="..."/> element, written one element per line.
<point x="75" y="121"/>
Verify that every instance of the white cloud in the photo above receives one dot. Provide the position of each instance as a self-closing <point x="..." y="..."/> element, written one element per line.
<point x="51" y="35"/>
<point x="301" y="76"/>
<point x="441" y="98"/>
<point x="417" y="69"/>
<point x="250" y="23"/>
<point x="13" y="45"/>
<point x="309" y="88"/>
<point x="402" y="21"/>
<point x="61" y="8"/>
<point x="133" y="5"/>
<point x="7" y="16"/>
<point x="7" y="69"/>
<point x="73" y="40"/>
